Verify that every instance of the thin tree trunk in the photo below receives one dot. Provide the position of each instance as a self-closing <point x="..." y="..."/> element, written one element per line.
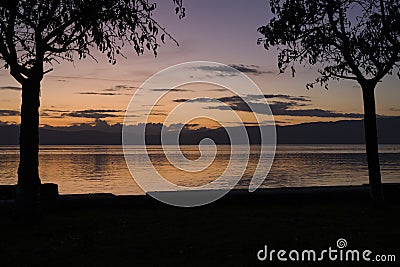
<point x="28" y="172"/>
<point x="371" y="141"/>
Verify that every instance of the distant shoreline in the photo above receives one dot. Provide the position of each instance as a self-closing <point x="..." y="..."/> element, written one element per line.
<point x="340" y="132"/>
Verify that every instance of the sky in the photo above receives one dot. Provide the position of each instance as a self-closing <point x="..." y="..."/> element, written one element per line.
<point x="219" y="31"/>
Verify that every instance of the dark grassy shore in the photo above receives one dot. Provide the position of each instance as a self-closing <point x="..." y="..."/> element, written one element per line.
<point x="104" y="230"/>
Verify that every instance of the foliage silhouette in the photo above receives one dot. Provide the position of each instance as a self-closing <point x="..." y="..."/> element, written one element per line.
<point x="347" y="39"/>
<point x="35" y="34"/>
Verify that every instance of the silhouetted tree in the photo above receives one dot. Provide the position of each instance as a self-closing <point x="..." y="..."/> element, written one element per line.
<point x="348" y="39"/>
<point x="38" y="33"/>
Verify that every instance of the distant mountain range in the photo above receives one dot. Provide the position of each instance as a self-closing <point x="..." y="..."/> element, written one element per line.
<point x="341" y="132"/>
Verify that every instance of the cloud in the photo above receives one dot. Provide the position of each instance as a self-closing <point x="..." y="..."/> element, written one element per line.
<point x="95" y="113"/>
<point x="219" y="90"/>
<point x="231" y="70"/>
<point x="250" y="69"/>
<point x="155" y="105"/>
<point x="285" y="109"/>
<point x="157" y="113"/>
<point x="280" y="105"/>
<point x="102" y="110"/>
<point x="170" y="90"/>
<point x="241" y="106"/>
<point x="12" y="88"/>
<point x="285" y="97"/>
<point x="53" y="113"/>
<point x="54" y="110"/>
<point x="233" y="102"/>
<point x="45" y="114"/>
<point x="101" y="93"/>
<point x="223" y="69"/>
<point x="196" y="100"/>
<point x="61" y="77"/>
<point x="9" y="113"/>
<point x="228" y="99"/>
<point x="117" y="90"/>
<point x="177" y="126"/>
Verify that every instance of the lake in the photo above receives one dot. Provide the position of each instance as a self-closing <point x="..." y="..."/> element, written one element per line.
<point x="97" y="169"/>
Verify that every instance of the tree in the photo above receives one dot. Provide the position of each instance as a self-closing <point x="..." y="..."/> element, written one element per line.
<point x="35" y="34"/>
<point x="355" y="40"/>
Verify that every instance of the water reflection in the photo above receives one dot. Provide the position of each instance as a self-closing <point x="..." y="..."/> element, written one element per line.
<point x="94" y="169"/>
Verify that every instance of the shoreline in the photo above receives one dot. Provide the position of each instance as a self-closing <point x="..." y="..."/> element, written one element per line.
<point x="334" y="194"/>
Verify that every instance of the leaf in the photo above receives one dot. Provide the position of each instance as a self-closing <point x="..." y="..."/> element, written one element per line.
<point x="85" y="26"/>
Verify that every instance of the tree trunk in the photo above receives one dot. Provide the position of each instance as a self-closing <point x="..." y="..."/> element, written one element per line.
<point x="28" y="192"/>
<point x="371" y="141"/>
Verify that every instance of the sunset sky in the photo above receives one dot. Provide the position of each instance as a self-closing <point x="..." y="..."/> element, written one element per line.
<point x="219" y="31"/>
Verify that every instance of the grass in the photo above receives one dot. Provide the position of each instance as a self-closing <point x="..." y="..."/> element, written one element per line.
<point x="222" y="233"/>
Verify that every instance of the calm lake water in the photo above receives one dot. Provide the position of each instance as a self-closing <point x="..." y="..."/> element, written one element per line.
<point x="95" y="169"/>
